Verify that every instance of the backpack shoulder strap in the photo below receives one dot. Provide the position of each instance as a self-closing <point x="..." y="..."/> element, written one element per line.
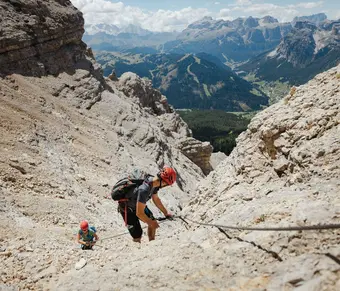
<point x="137" y="181"/>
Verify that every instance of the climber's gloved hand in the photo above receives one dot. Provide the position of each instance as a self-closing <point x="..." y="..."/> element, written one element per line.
<point x="169" y="216"/>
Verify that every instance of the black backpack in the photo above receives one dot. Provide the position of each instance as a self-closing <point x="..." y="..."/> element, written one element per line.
<point x="124" y="188"/>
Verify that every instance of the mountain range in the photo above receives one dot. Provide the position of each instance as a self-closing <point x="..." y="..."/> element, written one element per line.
<point x="272" y="56"/>
<point x="305" y="51"/>
<point x="230" y="41"/>
<point x="188" y="81"/>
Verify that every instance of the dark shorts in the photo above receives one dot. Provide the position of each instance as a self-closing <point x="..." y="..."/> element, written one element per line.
<point x="133" y="223"/>
<point x="83" y="247"/>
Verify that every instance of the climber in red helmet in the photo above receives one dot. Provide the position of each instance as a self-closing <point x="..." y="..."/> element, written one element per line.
<point x="87" y="236"/>
<point x="136" y="205"/>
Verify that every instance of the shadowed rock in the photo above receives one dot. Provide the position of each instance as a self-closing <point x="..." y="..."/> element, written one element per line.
<point x="40" y="37"/>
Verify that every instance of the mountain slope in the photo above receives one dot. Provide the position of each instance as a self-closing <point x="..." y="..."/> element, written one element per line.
<point x="284" y="171"/>
<point x="188" y="81"/>
<point x="304" y="52"/>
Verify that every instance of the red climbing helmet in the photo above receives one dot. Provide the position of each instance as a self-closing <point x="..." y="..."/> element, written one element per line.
<point x="84" y="225"/>
<point x="168" y="175"/>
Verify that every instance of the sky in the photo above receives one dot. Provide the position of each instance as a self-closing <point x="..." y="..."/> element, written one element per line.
<point x="171" y="15"/>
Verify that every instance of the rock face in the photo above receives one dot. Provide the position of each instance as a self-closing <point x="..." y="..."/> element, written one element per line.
<point x="40" y="37"/>
<point x="132" y="85"/>
<point x="216" y="158"/>
<point x="284" y="171"/>
<point x="298" y="48"/>
<point x="198" y="152"/>
<point x="149" y="98"/>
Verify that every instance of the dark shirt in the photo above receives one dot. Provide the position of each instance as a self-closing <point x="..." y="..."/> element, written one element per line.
<point x="142" y="194"/>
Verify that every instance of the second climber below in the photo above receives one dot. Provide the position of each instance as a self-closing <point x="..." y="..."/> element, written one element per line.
<point x="136" y="206"/>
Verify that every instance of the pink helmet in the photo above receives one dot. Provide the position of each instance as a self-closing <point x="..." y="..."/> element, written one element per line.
<point x="168" y="175"/>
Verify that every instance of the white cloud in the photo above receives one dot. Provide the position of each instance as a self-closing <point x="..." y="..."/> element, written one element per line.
<point x="104" y="11"/>
<point x="225" y="14"/>
<point x="166" y="20"/>
<point x="243" y="2"/>
<point x="283" y="13"/>
<point x="217" y="3"/>
<point x="337" y="16"/>
<point x="307" y="5"/>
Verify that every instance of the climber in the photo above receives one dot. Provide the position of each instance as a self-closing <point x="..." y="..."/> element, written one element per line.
<point x="86" y="236"/>
<point x="136" y="205"/>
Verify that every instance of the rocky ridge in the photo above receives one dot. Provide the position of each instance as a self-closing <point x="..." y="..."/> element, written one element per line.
<point x="306" y="42"/>
<point x="284" y="171"/>
<point x="315" y="18"/>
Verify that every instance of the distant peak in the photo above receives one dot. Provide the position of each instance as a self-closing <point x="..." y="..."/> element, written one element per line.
<point x="207" y="18"/>
<point x="304" y="24"/>
<point x="251" y="22"/>
<point x="269" y="19"/>
<point x="203" y="22"/>
<point x="315" y="18"/>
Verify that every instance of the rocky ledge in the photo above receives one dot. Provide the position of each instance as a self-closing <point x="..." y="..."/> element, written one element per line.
<point x="39" y="37"/>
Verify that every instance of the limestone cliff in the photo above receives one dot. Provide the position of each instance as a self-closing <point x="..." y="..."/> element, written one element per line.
<point x="40" y="37"/>
<point x="284" y="171"/>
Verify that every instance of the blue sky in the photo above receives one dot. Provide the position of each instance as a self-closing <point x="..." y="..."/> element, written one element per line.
<point x="216" y="5"/>
<point x="165" y="15"/>
<point x="174" y="5"/>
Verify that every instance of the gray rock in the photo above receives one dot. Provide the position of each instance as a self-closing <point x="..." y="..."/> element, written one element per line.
<point x="40" y="39"/>
<point x="81" y="264"/>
